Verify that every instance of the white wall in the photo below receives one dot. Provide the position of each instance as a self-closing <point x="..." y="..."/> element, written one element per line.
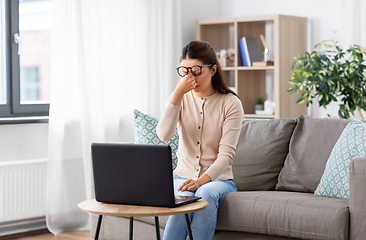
<point x="23" y="141"/>
<point x="191" y="10"/>
<point x="330" y="19"/>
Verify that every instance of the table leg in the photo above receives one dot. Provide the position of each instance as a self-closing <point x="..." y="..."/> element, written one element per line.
<point x="98" y="227"/>
<point x="188" y="227"/>
<point x="131" y="228"/>
<point x="157" y="228"/>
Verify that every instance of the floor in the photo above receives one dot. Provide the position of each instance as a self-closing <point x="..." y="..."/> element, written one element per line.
<point x="75" y="235"/>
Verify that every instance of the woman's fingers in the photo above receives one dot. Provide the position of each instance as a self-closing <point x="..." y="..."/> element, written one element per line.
<point x="184" y="184"/>
<point x="193" y="187"/>
<point x="186" y="84"/>
<point x="188" y="185"/>
<point x="193" y="81"/>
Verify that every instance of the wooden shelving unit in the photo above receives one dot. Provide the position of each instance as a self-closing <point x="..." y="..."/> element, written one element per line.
<point x="285" y="37"/>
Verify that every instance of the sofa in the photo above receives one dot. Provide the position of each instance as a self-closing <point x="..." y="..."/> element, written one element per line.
<point x="278" y="166"/>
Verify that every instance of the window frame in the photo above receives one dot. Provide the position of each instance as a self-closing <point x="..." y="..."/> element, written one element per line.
<point x="13" y="108"/>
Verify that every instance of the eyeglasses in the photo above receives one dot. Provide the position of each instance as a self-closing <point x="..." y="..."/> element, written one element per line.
<point x="195" y="70"/>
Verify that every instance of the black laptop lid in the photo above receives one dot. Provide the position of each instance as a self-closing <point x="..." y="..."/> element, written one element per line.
<point x="133" y="174"/>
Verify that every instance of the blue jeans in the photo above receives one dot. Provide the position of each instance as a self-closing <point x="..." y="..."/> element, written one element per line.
<point x="203" y="223"/>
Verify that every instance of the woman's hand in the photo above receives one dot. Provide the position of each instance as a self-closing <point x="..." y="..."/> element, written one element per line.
<point x="189" y="185"/>
<point x="185" y="85"/>
<point x="192" y="185"/>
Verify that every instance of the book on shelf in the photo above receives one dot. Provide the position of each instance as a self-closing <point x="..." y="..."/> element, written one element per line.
<point x="250" y="50"/>
<point x="262" y="64"/>
<point x="243" y="52"/>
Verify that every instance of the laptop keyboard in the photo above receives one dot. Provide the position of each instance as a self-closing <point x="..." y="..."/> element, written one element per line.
<point x="180" y="199"/>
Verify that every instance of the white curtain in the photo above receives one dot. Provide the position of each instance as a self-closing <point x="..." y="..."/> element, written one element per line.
<point x="109" y="58"/>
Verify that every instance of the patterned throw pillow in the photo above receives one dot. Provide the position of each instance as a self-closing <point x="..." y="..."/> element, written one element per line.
<point x="351" y="144"/>
<point x="145" y="133"/>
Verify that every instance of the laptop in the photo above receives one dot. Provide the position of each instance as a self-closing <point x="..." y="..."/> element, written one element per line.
<point x="135" y="174"/>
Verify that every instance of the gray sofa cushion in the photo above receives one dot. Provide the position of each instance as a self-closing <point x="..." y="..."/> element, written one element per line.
<point x="311" y="144"/>
<point x="261" y="152"/>
<point x="230" y="235"/>
<point x="292" y="214"/>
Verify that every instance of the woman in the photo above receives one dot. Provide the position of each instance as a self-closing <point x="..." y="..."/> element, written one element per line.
<point x="209" y="117"/>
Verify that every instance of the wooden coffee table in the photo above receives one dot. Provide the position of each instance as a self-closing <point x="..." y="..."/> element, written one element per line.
<point x="131" y="211"/>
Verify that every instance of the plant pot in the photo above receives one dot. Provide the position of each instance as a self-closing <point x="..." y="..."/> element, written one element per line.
<point x="259" y="107"/>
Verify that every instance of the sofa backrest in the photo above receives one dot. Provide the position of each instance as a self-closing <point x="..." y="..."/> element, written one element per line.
<point x="261" y="151"/>
<point x="311" y="144"/>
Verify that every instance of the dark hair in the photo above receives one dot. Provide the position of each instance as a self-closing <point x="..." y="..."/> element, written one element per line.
<point x="204" y="52"/>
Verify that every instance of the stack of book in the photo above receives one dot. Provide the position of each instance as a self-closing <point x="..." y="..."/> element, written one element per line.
<point x="250" y="51"/>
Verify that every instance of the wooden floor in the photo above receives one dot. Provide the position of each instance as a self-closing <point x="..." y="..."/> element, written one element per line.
<point x="75" y="235"/>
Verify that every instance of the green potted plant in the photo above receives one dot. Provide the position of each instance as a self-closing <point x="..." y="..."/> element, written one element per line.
<point x="259" y="104"/>
<point x="330" y="74"/>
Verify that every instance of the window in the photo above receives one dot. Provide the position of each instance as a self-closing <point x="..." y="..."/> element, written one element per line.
<point x="29" y="84"/>
<point x="25" y="72"/>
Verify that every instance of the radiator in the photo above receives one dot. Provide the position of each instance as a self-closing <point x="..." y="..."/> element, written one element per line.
<point x="22" y="189"/>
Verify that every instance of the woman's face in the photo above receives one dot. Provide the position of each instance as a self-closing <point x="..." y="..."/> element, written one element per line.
<point x="203" y="81"/>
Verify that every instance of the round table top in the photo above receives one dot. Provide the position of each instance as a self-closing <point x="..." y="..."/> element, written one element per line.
<point x="121" y="210"/>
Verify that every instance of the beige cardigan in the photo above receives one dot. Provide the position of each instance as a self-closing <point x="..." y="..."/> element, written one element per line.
<point x="208" y="130"/>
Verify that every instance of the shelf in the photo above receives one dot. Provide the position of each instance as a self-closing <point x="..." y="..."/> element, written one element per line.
<point x="285" y="37"/>
<point x="256" y="68"/>
<point x="240" y="68"/>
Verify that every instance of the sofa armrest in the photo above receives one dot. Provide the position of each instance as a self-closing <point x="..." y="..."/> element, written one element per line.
<point x="357" y="198"/>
